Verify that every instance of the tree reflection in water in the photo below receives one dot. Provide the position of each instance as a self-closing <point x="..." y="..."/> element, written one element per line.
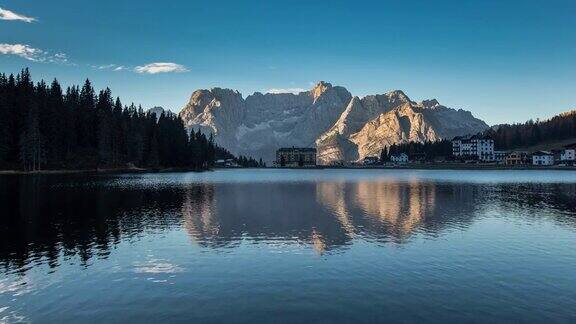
<point x="47" y="218"/>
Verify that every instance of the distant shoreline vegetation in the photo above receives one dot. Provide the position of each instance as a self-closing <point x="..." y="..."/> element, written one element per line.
<point x="559" y="127"/>
<point x="43" y="127"/>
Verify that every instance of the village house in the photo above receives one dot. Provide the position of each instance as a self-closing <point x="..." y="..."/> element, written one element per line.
<point x="500" y="156"/>
<point x="295" y="157"/>
<point x="543" y="158"/>
<point x="399" y="158"/>
<point x="517" y="158"/>
<point x="568" y="155"/>
<point x="226" y="163"/>
<point x="371" y="160"/>
<point x="476" y="147"/>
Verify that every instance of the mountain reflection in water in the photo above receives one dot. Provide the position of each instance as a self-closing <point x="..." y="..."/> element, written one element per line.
<point x="47" y="217"/>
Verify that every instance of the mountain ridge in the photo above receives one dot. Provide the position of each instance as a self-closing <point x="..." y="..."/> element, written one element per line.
<point x="341" y="126"/>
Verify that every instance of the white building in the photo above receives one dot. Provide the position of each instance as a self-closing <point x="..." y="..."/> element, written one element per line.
<point x="568" y="155"/>
<point x="399" y="158"/>
<point x="476" y="146"/>
<point x="543" y="158"/>
<point x="500" y="156"/>
<point x="371" y="160"/>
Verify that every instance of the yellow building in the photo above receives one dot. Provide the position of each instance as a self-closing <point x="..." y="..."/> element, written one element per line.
<point x="517" y="158"/>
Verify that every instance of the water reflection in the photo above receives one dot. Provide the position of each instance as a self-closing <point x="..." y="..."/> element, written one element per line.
<point x="49" y="219"/>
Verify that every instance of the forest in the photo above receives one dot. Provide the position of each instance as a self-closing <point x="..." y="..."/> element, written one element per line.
<point x="427" y="151"/>
<point x="45" y="127"/>
<point x="505" y="136"/>
<point x="557" y="128"/>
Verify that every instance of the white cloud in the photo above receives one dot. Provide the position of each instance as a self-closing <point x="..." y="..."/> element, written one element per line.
<point x="10" y="15"/>
<point x="286" y="90"/>
<point x="106" y="67"/>
<point x="154" y="68"/>
<point x="33" y="54"/>
<point x="111" y="67"/>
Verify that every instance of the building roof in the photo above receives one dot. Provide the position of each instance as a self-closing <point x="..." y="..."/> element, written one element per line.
<point x="472" y="137"/>
<point x="519" y="153"/>
<point x="542" y="153"/>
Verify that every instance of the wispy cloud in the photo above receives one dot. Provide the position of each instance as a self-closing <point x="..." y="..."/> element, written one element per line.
<point x="110" y="67"/>
<point x="10" y="15"/>
<point x="286" y="90"/>
<point x="106" y="67"/>
<point x="154" y="68"/>
<point x="33" y="54"/>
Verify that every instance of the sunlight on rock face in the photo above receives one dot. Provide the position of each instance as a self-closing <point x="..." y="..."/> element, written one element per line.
<point x="399" y="206"/>
<point x="198" y="214"/>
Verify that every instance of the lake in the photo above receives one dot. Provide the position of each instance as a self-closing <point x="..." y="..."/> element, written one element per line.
<point x="268" y="245"/>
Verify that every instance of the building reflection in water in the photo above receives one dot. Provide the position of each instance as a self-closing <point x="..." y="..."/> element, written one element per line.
<point x="45" y="218"/>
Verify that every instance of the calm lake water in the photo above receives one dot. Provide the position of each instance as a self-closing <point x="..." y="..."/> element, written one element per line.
<point x="290" y="246"/>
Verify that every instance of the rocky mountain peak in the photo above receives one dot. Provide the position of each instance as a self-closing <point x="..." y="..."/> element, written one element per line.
<point x="397" y="95"/>
<point x="320" y="88"/>
<point x="225" y="93"/>
<point x="430" y="103"/>
<point x="200" y="95"/>
<point x="341" y="126"/>
<point x="157" y="111"/>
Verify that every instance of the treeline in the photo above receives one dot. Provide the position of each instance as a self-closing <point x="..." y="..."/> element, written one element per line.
<point x="530" y="133"/>
<point x="44" y="127"/>
<point x="249" y="162"/>
<point x="427" y="151"/>
<point x="506" y="136"/>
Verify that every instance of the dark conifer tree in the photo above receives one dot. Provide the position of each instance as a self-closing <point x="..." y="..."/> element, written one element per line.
<point x="4" y="121"/>
<point x="32" y="142"/>
<point x="40" y="127"/>
<point x="104" y="127"/>
<point x="87" y="118"/>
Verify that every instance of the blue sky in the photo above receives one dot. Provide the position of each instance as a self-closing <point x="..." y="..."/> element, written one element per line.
<point x="505" y="61"/>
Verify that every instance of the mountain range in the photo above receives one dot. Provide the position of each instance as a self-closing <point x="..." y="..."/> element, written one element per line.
<point x="339" y="125"/>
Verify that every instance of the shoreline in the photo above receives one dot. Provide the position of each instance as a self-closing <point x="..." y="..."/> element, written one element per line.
<point x="99" y="171"/>
<point x="447" y="166"/>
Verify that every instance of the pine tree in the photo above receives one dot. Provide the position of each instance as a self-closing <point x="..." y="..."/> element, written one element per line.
<point x="53" y="117"/>
<point x="384" y="155"/>
<point x="4" y="120"/>
<point x="118" y="129"/>
<point x="40" y="127"/>
<point x="104" y="128"/>
<point x="32" y="150"/>
<point x="71" y="106"/>
<point x="86" y="117"/>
